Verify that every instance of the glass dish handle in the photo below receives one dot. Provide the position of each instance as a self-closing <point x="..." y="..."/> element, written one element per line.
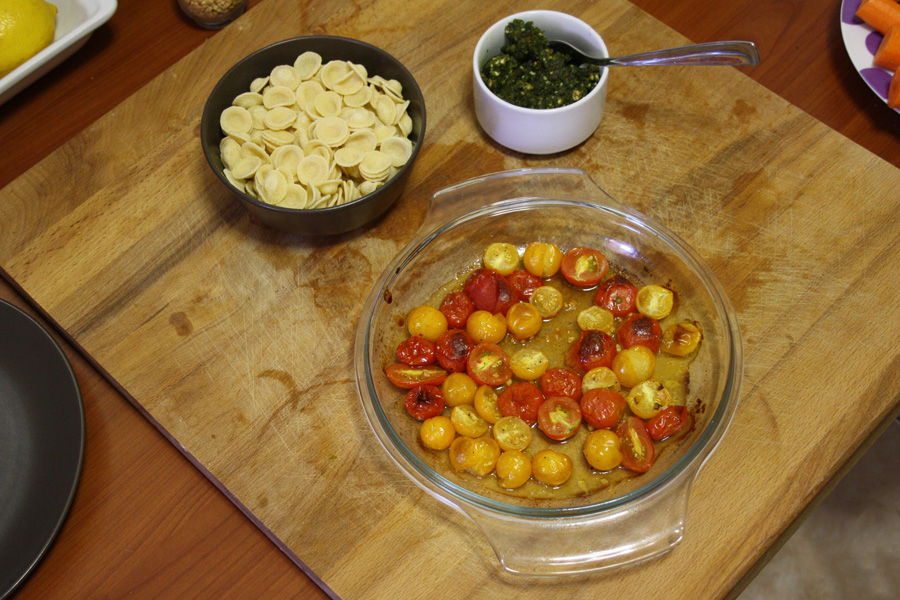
<point x="514" y="184"/>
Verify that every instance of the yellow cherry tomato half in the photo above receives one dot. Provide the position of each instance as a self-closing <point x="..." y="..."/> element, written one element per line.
<point x="486" y="404"/>
<point x="655" y="301"/>
<point x="458" y="389"/>
<point x="427" y="322"/>
<point x="551" y="467"/>
<point x="596" y="318"/>
<point x="634" y="365"/>
<point x="523" y="321"/>
<point x="477" y="456"/>
<point x="648" y="398"/>
<point x="486" y="327"/>
<point x="512" y="433"/>
<point x="603" y="450"/>
<point x="599" y="378"/>
<point x="437" y="432"/>
<point x="680" y="339"/>
<point x="547" y="300"/>
<point x="468" y="422"/>
<point x="529" y="364"/>
<point x="513" y="469"/>
<point x="542" y="259"/>
<point x="501" y="257"/>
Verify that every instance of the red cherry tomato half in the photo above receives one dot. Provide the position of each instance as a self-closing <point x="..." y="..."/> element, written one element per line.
<point x="521" y="400"/>
<point x="668" y="422"/>
<point x="640" y="330"/>
<point x="457" y="307"/>
<point x="524" y="283"/>
<point x="560" y="381"/>
<point x="488" y="364"/>
<point x="593" y="349"/>
<point x="489" y="291"/>
<point x="638" y="452"/>
<point x="559" y="417"/>
<point x="602" y="408"/>
<point x="584" y="267"/>
<point x="453" y="348"/>
<point x="424" y="401"/>
<point x="416" y="352"/>
<point x="409" y="377"/>
<point x="617" y="295"/>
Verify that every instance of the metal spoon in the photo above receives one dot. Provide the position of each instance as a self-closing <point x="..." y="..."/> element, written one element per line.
<point x="712" y="53"/>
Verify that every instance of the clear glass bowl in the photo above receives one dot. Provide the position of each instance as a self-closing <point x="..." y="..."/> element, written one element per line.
<point x="640" y="517"/>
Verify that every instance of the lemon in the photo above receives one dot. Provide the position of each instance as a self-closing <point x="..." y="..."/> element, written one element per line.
<point x="26" y="28"/>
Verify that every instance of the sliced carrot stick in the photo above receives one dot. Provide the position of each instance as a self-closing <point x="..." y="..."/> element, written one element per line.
<point x="894" y="91"/>
<point x="888" y="53"/>
<point x="880" y="14"/>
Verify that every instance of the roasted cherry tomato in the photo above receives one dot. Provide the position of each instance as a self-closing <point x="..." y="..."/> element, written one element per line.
<point x="513" y="469"/>
<point x="601" y="377"/>
<point x="485" y="403"/>
<point x="416" y="352"/>
<point x="523" y="321"/>
<point x="427" y="322"/>
<point x="486" y="327"/>
<point x="655" y="301"/>
<point x="502" y="257"/>
<point x="602" y="408"/>
<point x="424" y="401"/>
<point x="560" y="381"/>
<point x="617" y="295"/>
<point x="593" y="349"/>
<point x="668" y="422"/>
<point x="452" y="350"/>
<point x="680" y="339"/>
<point x="529" y="364"/>
<point x="458" y="389"/>
<point x="524" y="283"/>
<point x="559" y="417"/>
<point x="648" y="398"/>
<point x="584" y="267"/>
<point x="468" y="422"/>
<point x="489" y="365"/>
<point x="638" y="452"/>
<point x="512" y="433"/>
<point x="542" y="259"/>
<point x="437" y="432"/>
<point x="477" y="456"/>
<point x="521" y="400"/>
<point x="634" y="365"/>
<point x="640" y="330"/>
<point x="489" y="291"/>
<point x="551" y="467"/>
<point x="603" y="450"/>
<point x="548" y="300"/>
<point x="456" y="307"/>
<point x="596" y="318"/>
<point x="410" y="377"/>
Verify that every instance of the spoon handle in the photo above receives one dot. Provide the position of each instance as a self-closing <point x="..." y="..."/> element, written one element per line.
<point x="712" y="53"/>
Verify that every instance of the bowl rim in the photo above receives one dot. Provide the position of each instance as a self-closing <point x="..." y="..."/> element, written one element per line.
<point x="688" y="464"/>
<point x="368" y="198"/>
<point x="500" y="24"/>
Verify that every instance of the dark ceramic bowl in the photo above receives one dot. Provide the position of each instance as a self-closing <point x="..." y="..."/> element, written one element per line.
<point x="317" y="221"/>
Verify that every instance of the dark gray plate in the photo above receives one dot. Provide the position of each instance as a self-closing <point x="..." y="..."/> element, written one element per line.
<point x="41" y="443"/>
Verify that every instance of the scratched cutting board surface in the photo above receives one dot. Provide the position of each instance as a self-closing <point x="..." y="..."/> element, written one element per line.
<point x="238" y="340"/>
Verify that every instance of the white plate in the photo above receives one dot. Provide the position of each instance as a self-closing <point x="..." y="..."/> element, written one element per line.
<point x="75" y="21"/>
<point x="861" y="42"/>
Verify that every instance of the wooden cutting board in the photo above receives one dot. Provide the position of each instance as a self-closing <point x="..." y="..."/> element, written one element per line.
<point x="238" y="341"/>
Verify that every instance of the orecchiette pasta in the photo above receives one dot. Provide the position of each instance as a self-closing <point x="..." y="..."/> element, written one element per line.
<point x="314" y="134"/>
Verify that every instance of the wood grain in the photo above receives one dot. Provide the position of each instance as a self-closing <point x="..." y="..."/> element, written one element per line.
<point x="764" y="207"/>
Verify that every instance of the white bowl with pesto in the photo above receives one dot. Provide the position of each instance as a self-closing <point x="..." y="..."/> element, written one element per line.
<point x="539" y="130"/>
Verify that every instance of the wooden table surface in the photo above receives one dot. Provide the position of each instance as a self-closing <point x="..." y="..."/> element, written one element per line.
<point x="129" y="535"/>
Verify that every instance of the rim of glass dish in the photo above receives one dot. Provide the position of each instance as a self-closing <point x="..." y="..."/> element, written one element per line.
<point x="702" y="447"/>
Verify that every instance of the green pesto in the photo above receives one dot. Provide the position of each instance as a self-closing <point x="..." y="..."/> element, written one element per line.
<point x="528" y="73"/>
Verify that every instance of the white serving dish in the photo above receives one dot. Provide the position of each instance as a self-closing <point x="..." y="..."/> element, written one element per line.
<point x="76" y="20"/>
